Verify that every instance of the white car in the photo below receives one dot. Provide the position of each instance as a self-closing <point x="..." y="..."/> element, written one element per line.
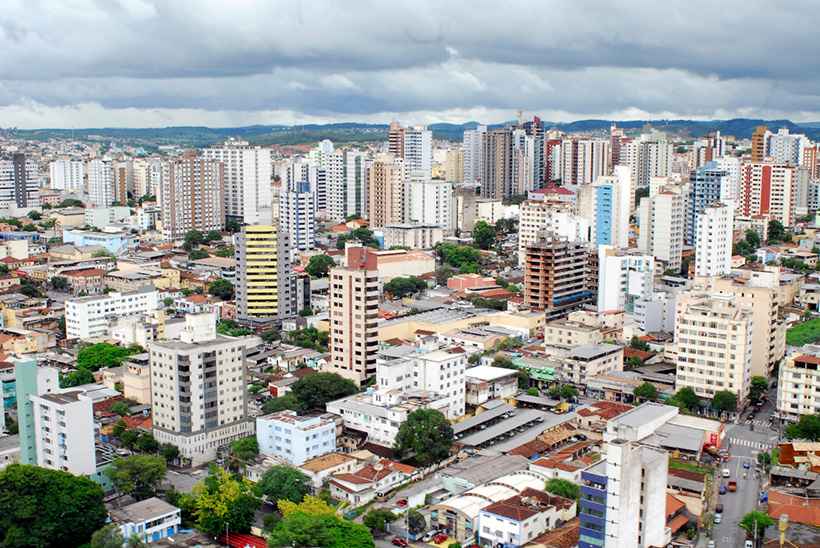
<point x="718" y="518"/>
<point x="726" y="473"/>
<point x="749" y="544"/>
<point x="710" y="544"/>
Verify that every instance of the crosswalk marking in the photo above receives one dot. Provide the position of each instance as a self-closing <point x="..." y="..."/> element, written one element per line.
<point x="748" y="443"/>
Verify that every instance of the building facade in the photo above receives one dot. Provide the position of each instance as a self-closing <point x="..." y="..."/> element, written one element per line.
<point x="295" y="438"/>
<point x="247" y="175"/>
<point x="192" y="196"/>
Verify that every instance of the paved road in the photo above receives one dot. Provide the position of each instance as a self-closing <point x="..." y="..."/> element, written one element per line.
<point x="744" y="442"/>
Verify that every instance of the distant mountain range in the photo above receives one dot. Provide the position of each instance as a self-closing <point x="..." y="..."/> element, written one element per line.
<point x="355" y="132"/>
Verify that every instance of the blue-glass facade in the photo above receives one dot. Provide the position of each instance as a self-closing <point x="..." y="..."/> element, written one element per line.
<point x="603" y="214"/>
<point x="592" y="508"/>
<point x="705" y="189"/>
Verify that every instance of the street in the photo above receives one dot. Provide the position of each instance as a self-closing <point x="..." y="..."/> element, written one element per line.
<point x="744" y="444"/>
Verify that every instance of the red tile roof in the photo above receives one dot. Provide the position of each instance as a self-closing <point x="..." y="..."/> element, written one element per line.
<point x="799" y="509"/>
<point x="520" y="507"/>
<point x="673" y="505"/>
<point x="243" y="540"/>
<point x="566" y="536"/>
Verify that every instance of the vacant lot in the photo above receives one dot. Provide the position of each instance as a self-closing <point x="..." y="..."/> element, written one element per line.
<point x="804" y="333"/>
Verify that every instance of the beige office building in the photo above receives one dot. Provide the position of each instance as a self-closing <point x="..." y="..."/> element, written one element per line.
<point x="386" y="190"/>
<point x="354" y="316"/>
<point x="192" y="196"/>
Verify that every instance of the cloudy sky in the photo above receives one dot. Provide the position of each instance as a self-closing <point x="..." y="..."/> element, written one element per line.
<point x="141" y="63"/>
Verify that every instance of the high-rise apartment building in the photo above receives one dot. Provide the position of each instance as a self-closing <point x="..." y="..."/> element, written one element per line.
<point x="31" y="380"/>
<point x="418" y="151"/>
<point x="474" y="154"/>
<point x="708" y="184"/>
<point x="713" y="335"/>
<point x="768" y="189"/>
<point x="786" y="148"/>
<point x="395" y="139"/>
<point x="297" y="217"/>
<point x="555" y="275"/>
<point x="713" y="240"/>
<point x="583" y="161"/>
<point x="192" y="195"/>
<point x="64" y="431"/>
<point x="142" y="177"/>
<point x="101" y="182"/>
<point x="497" y="159"/>
<point x="123" y="181"/>
<point x="19" y="181"/>
<point x="67" y="175"/>
<point x="247" y="180"/>
<point x="798" y="384"/>
<point x="263" y="274"/>
<point x="387" y="190"/>
<point x="429" y="202"/>
<point x="354" y="316"/>
<point x="624" y="277"/>
<point x="556" y="217"/>
<point x="759" y="144"/>
<point x="454" y="165"/>
<point x="346" y="183"/>
<point x="662" y="221"/>
<point x="605" y="204"/>
<point x="199" y="389"/>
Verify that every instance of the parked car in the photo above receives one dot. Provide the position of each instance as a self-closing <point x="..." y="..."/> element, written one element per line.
<point x="726" y="473"/>
<point x="747" y="465"/>
<point x="722" y="489"/>
<point x="749" y="544"/>
<point x="732" y="486"/>
<point x="718" y="518"/>
<point x="718" y="508"/>
<point x="428" y="536"/>
<point x="439" y="538"/>
<point x="398" y="541"/>
<point x="710" y="544"/>
<point x="401" y="503"/>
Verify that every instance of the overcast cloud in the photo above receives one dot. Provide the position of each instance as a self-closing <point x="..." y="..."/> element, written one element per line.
<point x="90" y="63"/>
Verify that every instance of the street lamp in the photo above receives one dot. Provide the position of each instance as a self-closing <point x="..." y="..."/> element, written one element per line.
<point x="782" y="525"/>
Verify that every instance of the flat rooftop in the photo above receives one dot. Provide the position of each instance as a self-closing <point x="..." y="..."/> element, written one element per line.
<point x="643" y="414"/>
<point x="488" y="372"/>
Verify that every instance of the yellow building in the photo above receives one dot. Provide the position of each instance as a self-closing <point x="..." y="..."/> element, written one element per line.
<point x="258" y="273"/>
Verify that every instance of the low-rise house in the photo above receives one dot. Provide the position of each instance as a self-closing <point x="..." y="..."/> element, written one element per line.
<point x="320" y="469"/>
<point x="86" y="281"/>
<point x="150" y="520"/>
<point x="485" y="383"/>
<point x="519" y="519"/>
<point x="362" y="486"/>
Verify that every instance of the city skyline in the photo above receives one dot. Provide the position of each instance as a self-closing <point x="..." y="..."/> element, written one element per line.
<point x="150" y="64"/>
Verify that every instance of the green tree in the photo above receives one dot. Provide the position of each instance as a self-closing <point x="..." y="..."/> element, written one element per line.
<point x="533" y="391"/>
<point x="305" y="530"/>
<point x="59" y="283"/>
<point x="283" y="483"/>
<point x="34" y="215"/>
<point x="377" y="519"/>
<point x="288" y="401"/>
<point x="638" y="344"/>
<point x="443" y="274"/>
<point x="233" y="226"/>
<point x="319" y="265"/>
<point x="48" y="508"/>
<point x="232" y="329"/>
<point x="193" y="239"/>
<point x="646" y="392"/>
<point x="226" y="251"/>
<point x="776" y="232"/>
<point x="563" y="488"/>
<point x="222" y="500"/>
<point x="403" y="286"/>
<point x="243" y="451"/>
<point x="758" y="388"/>
<point x="76" y="378"/>
<point x="309" y="337"/>
<point x="463" y="257"/>
<point x="687" y="397"/>
<point x="484" y="235"/>
<point x="807" y="428"/>
<point x="426" y="436"/>
<point x="314" y="391"/>
<point x="568" y="392"/>
<point x="108" y="536"/>
<point x="146" y="443"/>
<point x="363" y="235"/>
<point x="213" y="236"/>
<point x="756" y="522"/>
<point x="222" y="289"/>
<point x="723" y="400"/>
<point x="168" y="301"/>
<point x="71" y="202"/>
<point x="137" y="475"/>
<point x="120" y="408"/>
<point x="196" y="254"/>
<point x="169" y="452"/>
<point x="129" y="438"/>
<point x="416" y="522"/>
<point x="97" y="356"/>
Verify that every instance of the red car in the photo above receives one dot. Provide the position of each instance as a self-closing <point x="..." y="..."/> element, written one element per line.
<point x="401" y="503"/>
<point x="398" y="541"/>
<point x="438" y="539"/>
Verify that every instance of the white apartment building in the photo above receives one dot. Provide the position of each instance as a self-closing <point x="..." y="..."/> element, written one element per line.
<point x="354" y="307"/>
<point x="413" y="236"/>
<point x="583" y="161"/>
<point x="64" y="432"/>
<point x="605" y="205"/>
<point x="297" y="217"/>
<point x="786" y="148"/>
<point x="380" y="414"/>
<point x="798" y="384"/>
<point x="713" y="335"/>
<point x="518" y="520"/>
<point x="473" y="154"/>
<point x="295" y="438"/>
<point x="19" y="181"/>
<point x="101" y="182"/>
<point x="151" y="520"/>
<point x="537" y="215"/>
<point x="768" y="189"/>
<point x="247" y="180"/>
<point x="713" y="240"/>
<point x="440" y="372"/>
<point x="89" y="317"/>
<point x="429" y="202"/>
<point x="199" y="389"/>
<point x="346" y="183"/>
<point x="623" y="278"/>
<point x="662" y="220"/>
<point x="67" y="175"/>
<point x="418" y="150"/>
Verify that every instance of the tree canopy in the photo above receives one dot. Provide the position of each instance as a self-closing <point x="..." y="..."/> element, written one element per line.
<point x="221" y="288"/>
<point x="319" y="266"/>
<point x="362" y="235"/>
<point x="484" y="235"/>
<point x="758" y="388"/>
<point x="463" y="257"/>
<point x="313" y="523"/>
<point x="426" y="436"/>
<point x="48" y="508"/>
<point x="807" y="428"/>
<point x="309" y="337"/>
<point x="99" y="355"/>
<point x="222" y="500"/>
<point x="377" y="519"/>
<point x="685" y="398"/>
<point x="283" y="483"/>
<point x="563" y="488"/>
<point x="243" y="451"/>
<point x="404" y="285"/>
<point x="755" y="523"/>
<point x="288" y="401"/>
<point x="137" y="475"/>
<point x="646" y="392"/>
<point x="724" y="400"/>
<point x="314" y="391"/>
<point x="193" y="239"/>
<point x="76" y="378"/>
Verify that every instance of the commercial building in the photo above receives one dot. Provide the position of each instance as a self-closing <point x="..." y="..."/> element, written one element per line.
<point x="295" y="438"/>
<point x="387" y="190"/>
<point x="438" y="371"/>
<point x="555" y="275"/>
<point x="297" y="217"/>
<point x="247" y="172"/>
<point x="485" y="382"/>
<point x="768" y="189"/>
<point x="590" y="360"/>
<point x="662" y="221"/>
<point x="354" y="316"/>
<point x="713" y="240"/>
<point x="89" y="317"/>
<point x="714" y="340"/>
<point x="263" y="274"/>
<point x="192" y="195"/>
<point x="623" y="497"/>
<point x="67" y="175"/>
<point x="623" y="278"/>
<point x="204" y="364"/>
